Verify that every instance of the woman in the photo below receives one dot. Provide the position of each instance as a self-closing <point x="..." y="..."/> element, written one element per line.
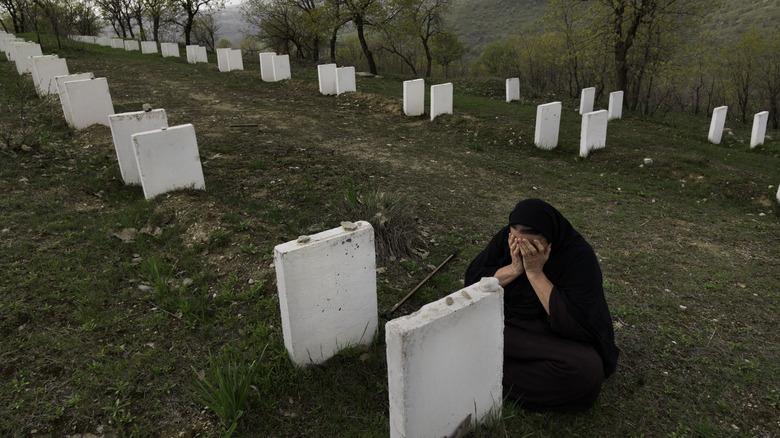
<point x="558" y="340"/>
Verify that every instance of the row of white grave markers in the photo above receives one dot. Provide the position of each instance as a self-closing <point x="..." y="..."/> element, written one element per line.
<point x="414" y="98"/>
<point x="445" y="361"/>
<point x="718" y="124"/>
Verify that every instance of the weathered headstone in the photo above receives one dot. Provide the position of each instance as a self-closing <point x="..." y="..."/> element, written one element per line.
<point x="326" y="74"/>
<point x="196" y="54"/>
<point x="267" y="66"/>
<point x="63" y="93"/>
<point x="104" y="41"/>
<point x="117" y="43"/>
<point x="345" y="80"/>
<point x="441" y="99"/>
<point x="586" y="100"/>
<point x="223" y="64"/>
<point x="548" y="123"/>
<point x="5" y="44"/>
<point x="131" y="45"/>
<point x="593" y="134"/>
<point x="615" y="105"/>
<point x="44" y="69"/>
<point x="717" y="124"/>
<point x="168" y="160"/>
<point x="148" y="46"/>
<point x="229" y="59"/>
<point x="90" y="102"/>
<point x="169" y="50"/>
<point x="22" y="53"/>
<point x="445" y="362"/>
<point x="281" y="65"/>
<point x="123" y="126"/>
<point x="759" y="128"/>
<point x="512" y="89"/>
<point x="327" y="292"/>
<point x="414" y="97"/>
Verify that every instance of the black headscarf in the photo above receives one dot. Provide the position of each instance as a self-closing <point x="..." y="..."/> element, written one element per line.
<point x="572" y="268"/>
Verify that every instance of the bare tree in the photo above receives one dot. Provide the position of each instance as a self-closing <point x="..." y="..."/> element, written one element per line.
<point x="187" y="10"/>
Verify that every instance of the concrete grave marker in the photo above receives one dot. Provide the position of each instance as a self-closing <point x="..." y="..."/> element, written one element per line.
<point x="10" y="48"/>
<point x="5" y="44"/>
<point x="548" y="123"/>
<point x="345" y="80"/>
<point x="441" y="99"/>
<point x="512" y="89"/>
<point x="586" y="100"/>
<point x="229" y="59"/>
<point x="196" y="54"/>
<point x="148" y="46"/>
<point x="123" y="126"/>
<point x="44" y="69"/>
<point x="131" y="45"/>
<point x="63" y="93"/>
<point x="445" y="361"/>
<point x="281" y="67"/>
<point x="267" y="66"/>
<point x="327" y="292"/>
<point x="169" y="50"/>
<point x="222" y="59"/>
<point x="90" y="102"/>
<point x="326" y="74"/>
<point x="717" y="124"/>
<point x="22" y="53"/>
<point x="615" y="105"/>
<point x="414" y="97"/>
<point x="759" y="129"/>
<point x="593" y="134"/>
<point x="117" y="43"/>
<point x="104" y="41"/>
<point x="168" y="160"/>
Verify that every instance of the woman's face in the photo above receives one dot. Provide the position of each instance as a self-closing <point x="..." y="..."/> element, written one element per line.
<point x="522" y="232"/>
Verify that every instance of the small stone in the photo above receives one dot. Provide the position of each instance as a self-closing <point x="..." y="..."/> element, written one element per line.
<point x="144" y="288"/>
<point x="449" y="301"/>
<point x="465" y="294"/>
<point x="186" y="282"/>
<point x="489" y="284"/>
<point x="349" y="226"/>
<point x="251" y="281"/>
<point x="303" y="239"/>
<point x="647" y="161"/>
<point x="26" y="148"/>
<point x="146" y="107"/>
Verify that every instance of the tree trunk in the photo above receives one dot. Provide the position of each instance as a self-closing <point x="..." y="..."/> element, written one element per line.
<point x="364" y="45"/>
<point x="333" y="45"/>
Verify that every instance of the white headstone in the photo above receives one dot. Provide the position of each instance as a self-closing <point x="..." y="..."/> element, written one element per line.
<point x="327" y="292"/>
<point x="222" y="59"/>
<point x="717" y="124"/>
<point x="196" y="54"/>
<point x="586" y="100"/>
<point x="10" y="48"/>
<point x="327" y="78"/>
<point x="512" y="89"/>
<point x="148" y="46"/>
<point x="117" y="43"/>
<point x="229" y="59"/>
<point x="131" y="45"/>
<point x="345" y="80"/>
<point x="414" y="97"/>
<point x="593" y="134"/>
<point x="267" y="66"/>
<point x="778" y="193"/>
<point x="548" y="123"/>
<point x="445" y="362"/>
<point x="281" y="65"/>
<point x="441" y="99"/>
<point x="22" y="53"/>
<point x="168" y="160"/>
<point x="759" y="128"/>
<point x="615" y="105"/>
<point x="104" y="41"/>
<point x="44" y="69"/>
<point x="90" y="102"/>
<point x="5" y="44"/>
<point x="123" y="126"/>
<point x="63" y="93"/>
<point x="169" y="50"/>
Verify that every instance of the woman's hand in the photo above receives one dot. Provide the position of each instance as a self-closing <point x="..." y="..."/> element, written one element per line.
<point x="515" y="252"/>
<point x="533" y="255"/>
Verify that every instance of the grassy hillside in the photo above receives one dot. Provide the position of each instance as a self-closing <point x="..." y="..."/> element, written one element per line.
<point x="111" y="305"/>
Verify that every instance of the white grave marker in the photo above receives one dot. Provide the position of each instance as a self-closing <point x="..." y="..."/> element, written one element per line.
<point x="168" y="160"/>
<point x="586" y="100"/>
<point x="327" y="292"/>
<point x="281" y="66"/>
<point x="548" y="123"/>
<point x="267" y="66"/>
<point x="131" y="45"/>
<point x="512" y="89"/>
<point x="441" y="99"/>
<point x="615" y="105"/>
<point x="414" y="97"/>
<point x="196" y="54"/>
<point x="345" y="80"/>
<point x="229" y="59"/>
<point x="169" y="50"/>
<point x="44" y="69"/>
<point x="759" y="129"/>
<point x="445" y="361"/>
<point x="593" y="134"/>
<point x="22" y="53"/>
<point x="90" y="102"/>
<point x="717" y="124"/>
<point x="148" y="46"/>
<point x="123" y="126"/>
<point x="222" y="60"/>
<point x="63" y="93"/>
<point x="326" y="74"/>
<point x="117" y="43"/>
